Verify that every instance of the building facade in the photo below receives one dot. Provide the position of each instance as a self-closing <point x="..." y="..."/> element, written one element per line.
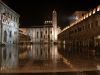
<point x="24" y="37"/>
<point x="84" y="31"/>
<point x="9" y="24"/>
<point x="46" y="33"/>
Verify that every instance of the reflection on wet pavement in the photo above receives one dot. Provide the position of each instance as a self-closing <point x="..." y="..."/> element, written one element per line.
<point x="49" y="58"/>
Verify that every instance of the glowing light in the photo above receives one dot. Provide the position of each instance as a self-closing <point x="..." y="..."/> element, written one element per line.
<point x="12" y="23"/>
<point x="67" y="62"/>
<point x="98" y="8"/>
<point x="90" y="14"/>
<point x="98" y="67"/>
<point x="76" y="18"/>
<point x="97" y="37"/>
<point x="94" y="11"/>
<point x="46" y="22"/>
<point x="86" y="15"/>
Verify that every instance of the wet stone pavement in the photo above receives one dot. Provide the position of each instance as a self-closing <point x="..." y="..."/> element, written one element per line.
<point x="49" y="60"/>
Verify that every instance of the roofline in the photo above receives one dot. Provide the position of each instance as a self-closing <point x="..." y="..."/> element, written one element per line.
<point x="31" y="27"/>
<point x="9" y="8"/>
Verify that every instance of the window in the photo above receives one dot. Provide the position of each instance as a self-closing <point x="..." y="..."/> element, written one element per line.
<point x="71" y="32"/>
<point x="4" y="53"/>
<point x="11" y="17"/>
<point x="5" y="36"/>
<point x="51" y="32"/>
<point x="96" y="23"/>
<point x="82" y="14"/>
<point x="46" y="31"/>
<point x="75" y="30"/>
<point x="48" y="36"/>
<point x="41" y="34"/>
<point x="79" y="29"/>
<point x="92" y="25"/>
<point x="37" y="34"/>
<point x="10" y="34"/>
<point x="88" y="26"/>
<point x="83" y="27"/>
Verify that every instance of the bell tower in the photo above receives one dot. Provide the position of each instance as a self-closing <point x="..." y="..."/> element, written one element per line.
<point x="54" y="19"/>
<point x="54" y="24"/>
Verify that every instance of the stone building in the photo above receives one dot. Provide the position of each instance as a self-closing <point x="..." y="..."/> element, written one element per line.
<point x="9" y="24"/>
<point x="46" y="33"/>
<point x="24" y="38"/>
<point x="84" y="31"/>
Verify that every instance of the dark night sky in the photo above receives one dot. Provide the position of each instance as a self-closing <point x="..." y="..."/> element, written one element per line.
<point x="34" y="12"/>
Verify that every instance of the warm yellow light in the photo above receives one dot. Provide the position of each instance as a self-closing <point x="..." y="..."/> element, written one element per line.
<point x="90" y="14"/>
<point x="98" y="8"/>
<point x="94" y="11"/>
<point x="86" y="15"/>
<point x="98" y="67"/>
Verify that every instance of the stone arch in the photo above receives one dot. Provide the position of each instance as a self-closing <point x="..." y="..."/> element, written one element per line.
<point x="5" y="36"/>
